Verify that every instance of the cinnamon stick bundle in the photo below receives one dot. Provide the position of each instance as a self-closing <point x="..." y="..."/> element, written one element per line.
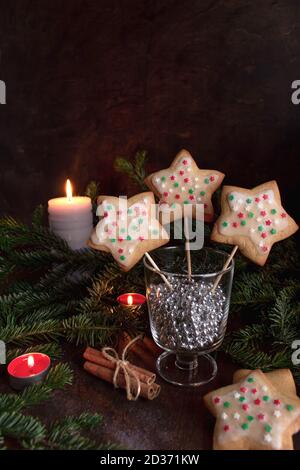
<point x="146" y="351"/>
<point x="147" y="391"/>
<point x="97" y="357"/>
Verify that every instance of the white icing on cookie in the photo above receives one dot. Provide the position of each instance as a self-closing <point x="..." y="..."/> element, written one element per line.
<point x="257" y="412"/>
<point x="121" y="228"/>
<point x="255" y="217"/>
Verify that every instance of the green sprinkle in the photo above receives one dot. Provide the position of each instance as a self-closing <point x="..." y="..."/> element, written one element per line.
<point x="128" y="238"/>
<point x="134" y="227"/>
<point x="176" y="184"/>
<point x="266" y="398"/>
<point x="225" y="224"/>
<point x="250" y="380"/>
<point x="250" y="418"/>
<point x="245" y="426"/>
<point x="113" y="240"/>
<point x="123" y="230"/>
<point x="155" y="231"/>
<point x="122" y="258"/>
<point x="109" y="207"/>
<point x="173" y="205"/>
<point x="163" y="178"/>
<point x="273" y="231"/>
<point x="227" y="404"/>
<point x="260" y="228"/>
<point x="289" y="407"/>
<point x="242" y="399"/>
<point x="206" y="180"/>
<point x="129" y="211"/>
<point x="191" y="191"/>
<point x="243" y="222"/>
<point x="140" y="220"/>
<point x="186" y="202"/>
<point x="273" y="211"/>
<point x="250" y="215"/>
<point x="231" y="197"/>
<point x="268" y="428"/>
<point x="248" y="200"/>
<point x="202" y="193"/>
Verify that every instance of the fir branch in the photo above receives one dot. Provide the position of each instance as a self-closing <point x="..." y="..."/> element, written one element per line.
<point x="134" y="170"/>
<point x="22" y="427"/>
<point x="52" y="350"/>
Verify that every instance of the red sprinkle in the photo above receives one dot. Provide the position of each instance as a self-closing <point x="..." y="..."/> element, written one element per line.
<point x="212" y="178"/>
<point x="120" y="239"/>
<point x="217" y="400"/>
<point x="186" y="180"/>
<point x="276" y="402"/>
<point x="177" y="196"/>
<point x="268" y="222"/>
<point x="265" y="196"/>
<point x="263" y="213"/>
<point x="119" y="212"/>
<point x="235" y="224"/>
<point x="191" y="197"/>
<point x="257" y="401"/>
<point x="245" y="407"/>
<point x="141" y="238"/>
<point x="205" y="206"/>
<point x="264" y="248"/>
<point x="264" y="235"/>
<point x="257" y="199"/>
<point x="120" y="250"/>
<point x="166" y="194"/>
<point x="172" y="177"/>
<point x="243" y="389"/>
<point x="226" y="428"/>
<point x="261" y="417"/>
<point x="181" y="172"/>
<point x="185" y="162"/>
<point x="105" y="214"/>
<point x="283" y="215"/>
<point x="254" y="390"/>
<point x="240" y="215"/>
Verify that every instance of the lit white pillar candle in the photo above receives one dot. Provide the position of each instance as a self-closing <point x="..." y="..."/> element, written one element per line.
<point x="71" y="218"/>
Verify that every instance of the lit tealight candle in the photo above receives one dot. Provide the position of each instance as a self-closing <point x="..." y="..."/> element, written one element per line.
<point x="28" y="369"/>
<point x="131" y="300"/>
<point x="71" y="218"/>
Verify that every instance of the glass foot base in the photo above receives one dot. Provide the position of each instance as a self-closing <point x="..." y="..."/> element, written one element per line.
<point x="186" y="370"/>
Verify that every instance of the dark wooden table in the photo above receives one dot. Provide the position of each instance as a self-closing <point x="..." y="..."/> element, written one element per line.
<point x="176" y="420"/>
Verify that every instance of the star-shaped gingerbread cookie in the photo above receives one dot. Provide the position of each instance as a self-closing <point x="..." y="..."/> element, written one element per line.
<point x="184" y="183"/>
<point x="258" y="412"/>
<point x="128" y="228"/>
<point x="253" y="219"/>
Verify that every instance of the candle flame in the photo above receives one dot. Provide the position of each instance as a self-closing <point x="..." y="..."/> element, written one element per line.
<point x="69" y="190"/>
<point x="130" y="300"/>
<point x="30" y="361"/>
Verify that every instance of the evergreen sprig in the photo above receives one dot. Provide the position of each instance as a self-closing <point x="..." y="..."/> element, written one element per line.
<point x="134" y="170"/>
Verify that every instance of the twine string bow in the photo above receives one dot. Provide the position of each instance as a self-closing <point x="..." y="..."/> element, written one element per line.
<point x="132" y="381"/>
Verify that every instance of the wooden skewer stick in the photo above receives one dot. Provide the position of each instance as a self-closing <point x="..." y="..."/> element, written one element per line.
<point x="187" y="247"/>
<point x="216" y="283"/>
<point x="151" y="261"/>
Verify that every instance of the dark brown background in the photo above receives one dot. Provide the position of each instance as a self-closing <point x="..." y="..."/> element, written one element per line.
<point x="88" y="80"/>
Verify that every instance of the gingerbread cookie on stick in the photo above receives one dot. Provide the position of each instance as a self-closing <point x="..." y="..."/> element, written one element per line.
<point x="184" y="183"/>
<point x="258" y="412"/>
<point x="253" y="220"/>
<point x="127" y="228"/>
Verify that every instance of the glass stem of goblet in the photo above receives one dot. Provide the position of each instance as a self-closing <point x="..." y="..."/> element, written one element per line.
<point x="186" y="361"/>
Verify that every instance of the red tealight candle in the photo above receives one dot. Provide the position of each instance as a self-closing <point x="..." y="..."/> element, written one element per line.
<point x="131" y="299"/>
<point x="28" y="369"/>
